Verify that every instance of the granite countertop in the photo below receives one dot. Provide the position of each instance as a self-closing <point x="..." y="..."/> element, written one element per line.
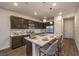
<point x="41" y="40"/>
<point x="17" y="35"/>
<point x="12" y="35"/>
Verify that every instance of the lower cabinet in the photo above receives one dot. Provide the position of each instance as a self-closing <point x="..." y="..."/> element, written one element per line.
<point x="18" y="41"/>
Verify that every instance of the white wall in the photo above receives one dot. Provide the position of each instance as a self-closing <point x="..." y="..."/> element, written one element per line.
<point x="76" y="26"/>
<point x="5" y="26"/>
<point x="77" y="29"/>
<point x="58" y="24"/>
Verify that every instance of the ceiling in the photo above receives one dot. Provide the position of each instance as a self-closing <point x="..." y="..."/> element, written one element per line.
<point x="42" y="9"/>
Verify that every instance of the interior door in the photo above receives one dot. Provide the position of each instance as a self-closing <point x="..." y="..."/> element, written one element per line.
<point x="68" y="28"/>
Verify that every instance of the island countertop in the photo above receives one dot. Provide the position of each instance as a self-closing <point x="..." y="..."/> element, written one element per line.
<point x="42" y="40"/>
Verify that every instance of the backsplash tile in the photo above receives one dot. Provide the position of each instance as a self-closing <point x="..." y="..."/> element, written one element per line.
<point x="23" y="31"/>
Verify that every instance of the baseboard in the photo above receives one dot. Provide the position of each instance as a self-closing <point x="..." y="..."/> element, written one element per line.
<point x="4" y="51"/>
<point x="76" y="46"/>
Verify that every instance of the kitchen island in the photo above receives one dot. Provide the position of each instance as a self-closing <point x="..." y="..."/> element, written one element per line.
<point x="40" y="41"/>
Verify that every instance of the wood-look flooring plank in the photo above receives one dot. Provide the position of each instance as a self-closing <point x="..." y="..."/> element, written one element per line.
<point x="69" y="48"/>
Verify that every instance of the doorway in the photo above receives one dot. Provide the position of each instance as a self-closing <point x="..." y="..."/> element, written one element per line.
<point x="68" y="27"/>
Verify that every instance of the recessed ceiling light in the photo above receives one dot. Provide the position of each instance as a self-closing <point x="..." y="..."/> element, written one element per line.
<point x="35" y="13"/>
<point x="54" y="4"/>
<point x="16" y="4"/>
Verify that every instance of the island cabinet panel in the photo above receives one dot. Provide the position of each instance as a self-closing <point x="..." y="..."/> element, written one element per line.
<point x="28" y="48"/>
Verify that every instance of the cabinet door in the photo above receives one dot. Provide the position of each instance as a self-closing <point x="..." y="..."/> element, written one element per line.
<point x="25" y="23"/>
<point x="44" y="25"/>
<point x="31" y="24"/>
<point x="16" y="42"/>
<point x="36" y="25"/>
<point x="16" y="22"/>
<point x="24" y="40"/>
<point x="40" y="25"/>
<point x="13" y="22"/>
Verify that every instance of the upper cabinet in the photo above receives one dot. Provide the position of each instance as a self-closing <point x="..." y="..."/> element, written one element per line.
<point x="39" y="25"/>
<point x="21" y="23"/>
<point x="18" y="23"/>
<point x="25" y="24"/>
<point x="47" y="24"/>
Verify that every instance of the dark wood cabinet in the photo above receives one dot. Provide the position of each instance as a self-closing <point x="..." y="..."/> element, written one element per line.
<point x="28" y="48"/>
<point x="17" y="41"/>
<point x="36" y="25"/>
<point x="31" y="24"/>
<point x="21" y="23"/>
<point x="18" y="22"/>
<point x="42" y="25"/>
<point x="39" y="25"/>
<point x="47" y="24"/>
<point x="25" y="24"/>
<point x="14" y="22"/>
